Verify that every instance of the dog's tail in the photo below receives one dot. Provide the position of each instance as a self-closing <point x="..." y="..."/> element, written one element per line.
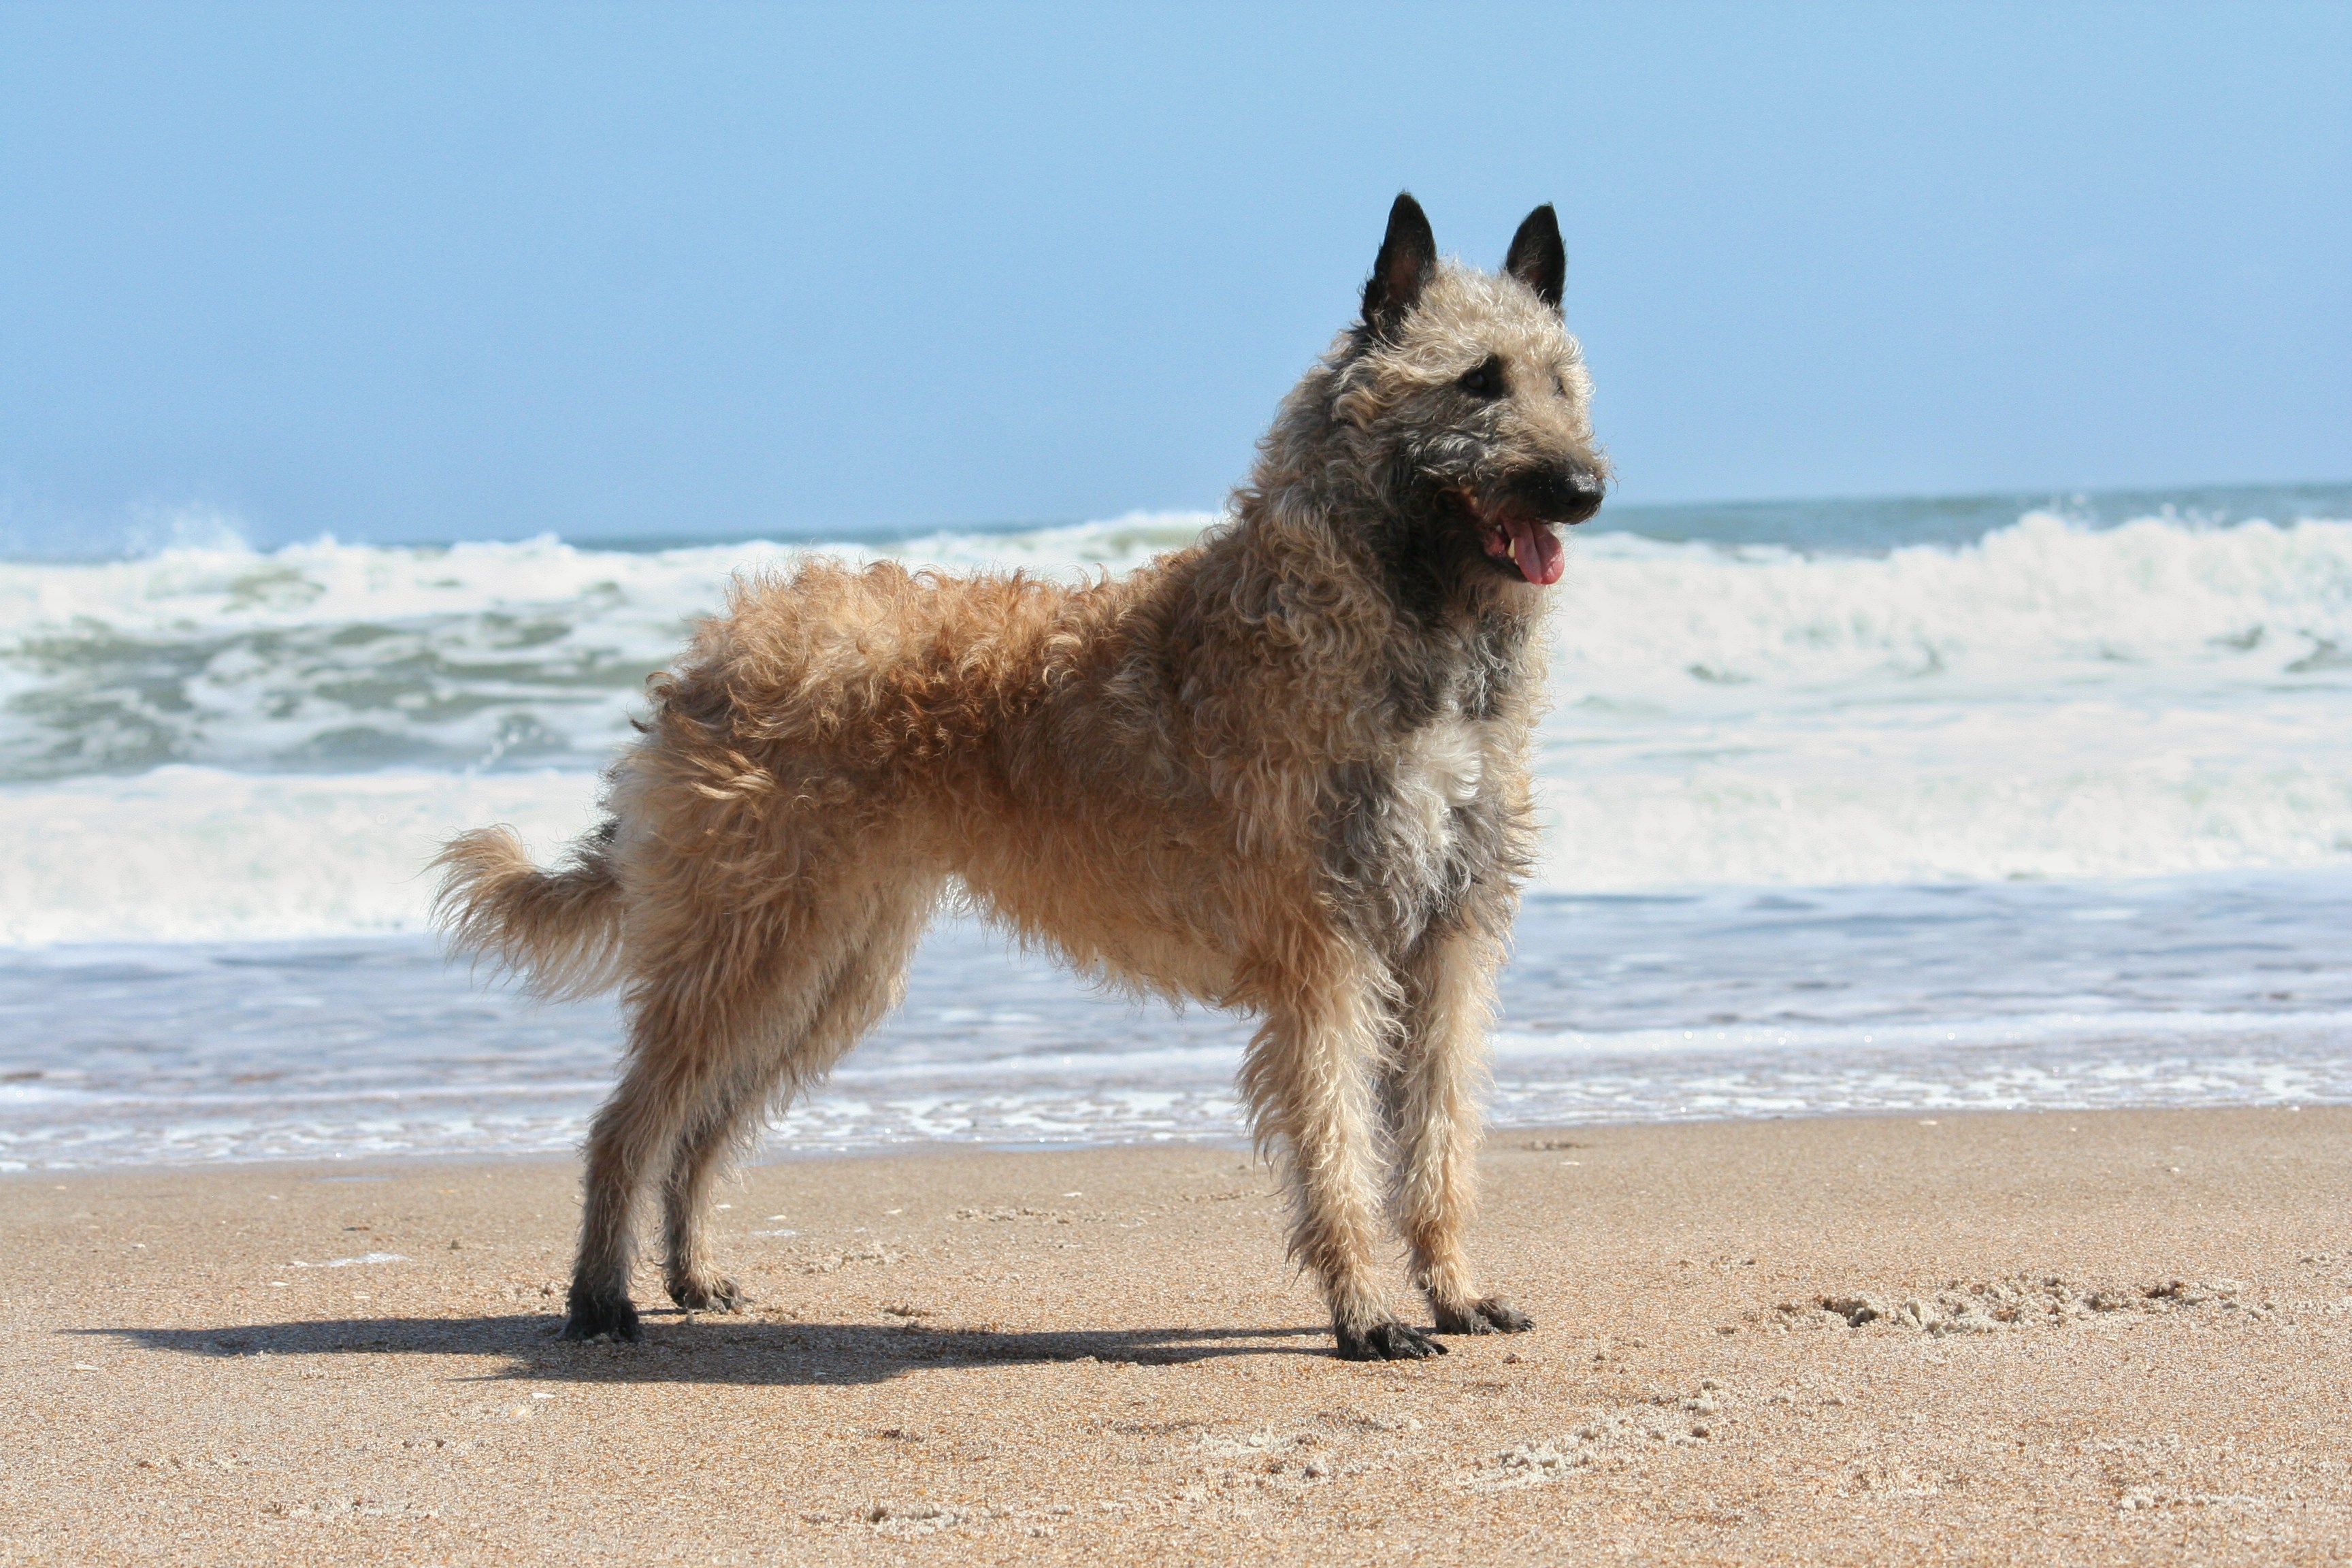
<point x="559" y="930"/>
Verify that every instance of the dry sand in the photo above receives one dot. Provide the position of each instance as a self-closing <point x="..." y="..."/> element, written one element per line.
<point x="2124" y="1337"/>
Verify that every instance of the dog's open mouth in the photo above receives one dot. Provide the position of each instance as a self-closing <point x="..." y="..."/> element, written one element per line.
<point x="1531" y="546"/>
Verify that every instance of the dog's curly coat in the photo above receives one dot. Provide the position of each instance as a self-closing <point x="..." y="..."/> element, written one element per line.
<point x="1283" y="771"/>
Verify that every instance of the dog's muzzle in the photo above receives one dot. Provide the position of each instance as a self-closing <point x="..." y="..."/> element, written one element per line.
<point x="1517" y="527"/>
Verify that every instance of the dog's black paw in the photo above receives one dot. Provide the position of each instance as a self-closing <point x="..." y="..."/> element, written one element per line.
<point x="1387" y="1341"/>
<point x="1488" y="1315"/>
<point x="707" y="1295"/>
<point x="594" y="1319"/>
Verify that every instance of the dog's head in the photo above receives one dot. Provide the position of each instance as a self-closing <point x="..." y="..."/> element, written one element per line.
<point x="1465" y="399"/>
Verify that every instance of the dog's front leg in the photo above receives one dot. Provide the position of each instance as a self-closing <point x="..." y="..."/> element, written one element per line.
<point x="1449" y="986"/>
<point x="1310" y="1078"/>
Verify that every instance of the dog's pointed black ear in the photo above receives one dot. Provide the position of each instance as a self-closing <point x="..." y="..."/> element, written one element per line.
<point x="1537" y="258"/>
<point x="1407" y="261"/>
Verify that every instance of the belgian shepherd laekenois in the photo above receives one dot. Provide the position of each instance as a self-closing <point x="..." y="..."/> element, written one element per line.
<point x="1284" y="770"/>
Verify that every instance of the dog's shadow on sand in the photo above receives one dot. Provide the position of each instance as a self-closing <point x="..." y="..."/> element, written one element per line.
<point x="722" y="1350"/>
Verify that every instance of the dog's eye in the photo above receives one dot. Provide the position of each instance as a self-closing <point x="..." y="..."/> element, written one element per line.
<point x="1486" y="380"/>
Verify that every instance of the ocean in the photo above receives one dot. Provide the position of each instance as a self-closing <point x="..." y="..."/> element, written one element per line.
<point x="1908" y="805"/>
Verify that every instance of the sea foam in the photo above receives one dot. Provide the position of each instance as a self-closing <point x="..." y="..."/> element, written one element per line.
<point x="186" y="853"/>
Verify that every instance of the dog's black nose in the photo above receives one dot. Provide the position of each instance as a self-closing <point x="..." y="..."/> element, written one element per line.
<point x="1583" y="498"/>
<point x="1560" y="495"/>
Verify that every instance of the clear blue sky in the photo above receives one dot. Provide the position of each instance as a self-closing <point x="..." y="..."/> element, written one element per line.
<point x="414" y="272"/>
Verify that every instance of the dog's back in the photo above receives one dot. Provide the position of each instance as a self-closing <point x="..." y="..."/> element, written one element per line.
<point x="883" y="671"/>
<point x="1008" y="736"/>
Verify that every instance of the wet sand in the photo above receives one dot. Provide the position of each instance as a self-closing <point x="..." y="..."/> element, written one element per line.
<point x="2051" y="1338"/>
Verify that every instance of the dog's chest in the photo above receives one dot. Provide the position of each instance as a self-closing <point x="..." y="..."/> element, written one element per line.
<point x="1440" y="766"/>
<point x="1415" y="830"/>
<point x="1435" y="822"/>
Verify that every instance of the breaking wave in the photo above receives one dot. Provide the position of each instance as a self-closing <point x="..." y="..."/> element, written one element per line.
<point x="216" y="743"/>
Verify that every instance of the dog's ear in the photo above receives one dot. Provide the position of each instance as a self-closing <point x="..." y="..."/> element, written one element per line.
<point x="1407" y="261"/>
<point x="1537" y="258"/>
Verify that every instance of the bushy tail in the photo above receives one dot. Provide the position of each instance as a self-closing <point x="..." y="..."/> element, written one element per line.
<point x="559" y="930"/>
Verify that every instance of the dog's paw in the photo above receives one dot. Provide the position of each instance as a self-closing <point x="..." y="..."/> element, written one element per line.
<point x="707" y="1295"/>
<point x="1387" y="1341"/>
<point x="592" y="1318"/>
<point x="1487" y="1315"/>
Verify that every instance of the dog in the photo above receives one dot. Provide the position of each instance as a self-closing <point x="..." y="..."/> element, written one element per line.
<point x="1284" y="771"/>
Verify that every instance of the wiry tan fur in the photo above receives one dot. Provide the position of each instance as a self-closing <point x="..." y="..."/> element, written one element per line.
<point x="1284" y="771"/>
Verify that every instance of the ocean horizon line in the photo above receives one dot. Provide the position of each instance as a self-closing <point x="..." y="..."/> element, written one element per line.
<point x="1884" y="520"/>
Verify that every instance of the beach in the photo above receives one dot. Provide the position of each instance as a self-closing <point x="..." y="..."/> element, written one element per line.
<point x="924" y="616"/>
<point x="2094" y="1336"/>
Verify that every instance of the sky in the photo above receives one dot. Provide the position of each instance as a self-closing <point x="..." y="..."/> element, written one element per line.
<point x="419" y="272"/>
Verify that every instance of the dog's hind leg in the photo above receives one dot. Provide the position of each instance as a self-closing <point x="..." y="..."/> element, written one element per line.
<point x="1433" y="1102"/>
<point x="635" y="1133"/>
<point x="863" y="952"/>
<point x="716" y="1126"/>
<point x="700" y="1010"/>
<point x="1309" y="1076"/>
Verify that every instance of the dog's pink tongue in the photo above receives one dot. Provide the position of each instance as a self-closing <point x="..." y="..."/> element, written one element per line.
<point x="1536" y="550"/>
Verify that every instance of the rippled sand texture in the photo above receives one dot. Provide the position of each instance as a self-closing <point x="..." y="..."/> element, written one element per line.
<point x="2060" y="1338"/>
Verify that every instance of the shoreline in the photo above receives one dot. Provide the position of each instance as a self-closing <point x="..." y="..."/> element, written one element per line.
<point x="2048" y="1337"/>
<point x="1838" y="1001"/>
<point x="362" y="1167"/>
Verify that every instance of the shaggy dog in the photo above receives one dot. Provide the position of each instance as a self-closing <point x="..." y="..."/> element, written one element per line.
<point x="1284" y="771"/>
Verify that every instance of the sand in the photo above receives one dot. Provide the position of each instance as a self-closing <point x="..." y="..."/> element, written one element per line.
<point x="2066" y="1338"/>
